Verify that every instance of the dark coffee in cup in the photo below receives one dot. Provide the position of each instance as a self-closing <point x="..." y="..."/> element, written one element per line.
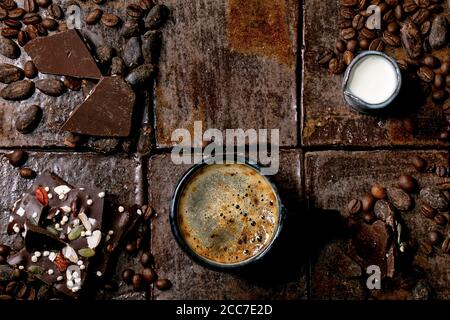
<point x="228" y="213"/>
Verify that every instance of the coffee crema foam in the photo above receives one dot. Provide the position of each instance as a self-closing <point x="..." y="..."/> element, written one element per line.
<point x="228" y="213"/>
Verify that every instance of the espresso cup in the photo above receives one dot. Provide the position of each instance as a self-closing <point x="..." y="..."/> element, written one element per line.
<point x="226" y="216"/>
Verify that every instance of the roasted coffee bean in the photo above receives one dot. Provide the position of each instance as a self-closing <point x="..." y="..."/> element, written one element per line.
<point x="399" y="199"/>
<point x="27" y="173"/>
<point x="41" y="31"/>
<point x="440" y="220"/>
<point x="43" y="3"/>
<point x="72" y="83"/>
<point x="407" y="183"/>
<point x="13" y="24"/>
<point x="94" y="16"/>
<point x="31" y="31"/>
<point x="403" y="64"/>
<point x="141" y="74"/>
<point x="348" y="33"/>
<point x="136" y="280"/>
<point x="435" y="237"/>
<point x="132" y="55"/>
<point x="157" y="17"/>
<point x="19" y="90"/>
<point x="18" y="274"/>
<point x="22" y="291"/>
<point x="130" y="29"/>
<point x="127" y="276"/>
<point x="30" y="69"/>
<point x="383" y="210"/>
<point x="367" y="202"/>
<point x="104" y="54"/>
<point x="440" y="96"/>
<point x="32" y="18"/>
<point x="411" y="39"/>
<point x="344" y="23"/>
<point x="149" y="275"/>
<point x="433" y="197"/>
<point x="445" y="68"/>
<point x="323" y="58"/>
<point x="163" y="284"/>
<point x="50" y="24"/>
<point x="354" y="206"/>
<point x="353" y="45"/>
<point x="336" y="66"/>
<point x="377" y="45"/>
<point x="367" y="34"/>
<point x="8" y="4"/>
<point x="146" y="5"/>
<point x="358" y="22"/>
<point x="4" y="250"/>
<point x="17" y="158"/>
<point x="349" y="3"/>
<point x="51" y="87"/>
<point x="446" y="245"/>
<point x="348" y="57"/>
<point x="431" y="62"/>
<point x="425" y="27"/>
<point x="364" y="44"/>
<point x="55" y="11"/>
<point x="30" y="5"/>
<point x="11" y="288"/>
<point x="427" y="211"/>
<point x="32" y="294"/>
<point x="420" y="16"/>
<point x="425" y="74"/>
<point x="347" y="13"/>
<point x="439" y="81"/>
<point x="391" y="39"/>
<point x="419" y="163"/>
<point x="3" y="14"/>
<point x="10" y="73"/>
<point x="389" y="16"/>
<point x="439" y="32"/>
<point x="16" y="13"/>
<point x="410" y="6"/>
<point x="340" y="46"/>
<point x="10" y="33"/>
<point x="393" y="27"/>
<point x="117" y="66"/>
<point x="110" y="20"/>
<point x="147" y="259"/>
<point x="22" y="38"/>
<point x="28" y="119"/>
<point x="43" y="293"/>
<point x="378" y="191"/>
<point x="134" y="11"/>
<point x="399" y="13"/>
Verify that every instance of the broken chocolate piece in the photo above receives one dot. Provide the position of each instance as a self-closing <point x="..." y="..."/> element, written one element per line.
<point x="64" y="53"/>
<point x="106" y="112"/>
<point x="372" y="245"/>
<point x="61" y="239"/>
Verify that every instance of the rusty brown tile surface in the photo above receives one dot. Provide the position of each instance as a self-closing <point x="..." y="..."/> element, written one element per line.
<point x="56" y="110"/>
<point x="230" y="64"/>
<point x="335" y="177"/>
<point x="326" y="118"/>
<point x="191" y="281"/>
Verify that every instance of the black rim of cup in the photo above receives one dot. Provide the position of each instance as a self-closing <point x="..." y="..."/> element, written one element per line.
<point x="173" y="218"/>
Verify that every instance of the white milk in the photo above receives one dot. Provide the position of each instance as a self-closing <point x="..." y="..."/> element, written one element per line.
<point x="373" y="79"/>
